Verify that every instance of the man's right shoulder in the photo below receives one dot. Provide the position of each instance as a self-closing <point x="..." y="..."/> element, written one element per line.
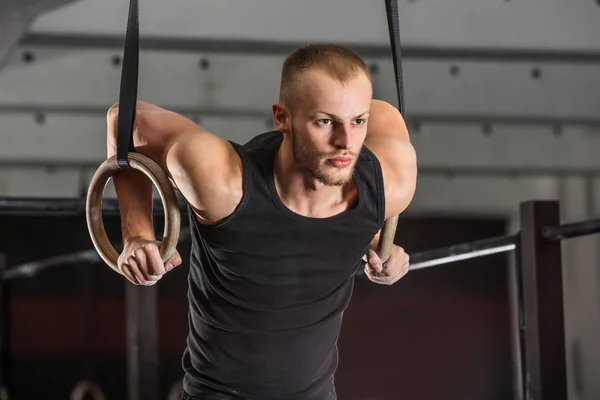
<point x="210" y="173"/>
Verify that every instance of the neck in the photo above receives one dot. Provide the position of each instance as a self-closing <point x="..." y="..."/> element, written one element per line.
<point x="302" y="193"/>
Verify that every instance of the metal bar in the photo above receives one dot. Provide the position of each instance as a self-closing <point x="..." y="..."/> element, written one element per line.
<point x="33" y="268"/>
<point x="515" y="289"/>
<point x="572" y="230"/>
<point x="464" y="251"/>
<point x="225" y="112"/>
<point x="267" y="47"/>
<point x="548" y="120"/>
<point x="142" y="342"/>
<point x="544" y="334"/>
<point x="87" y="300"/>
<point x="5" y="335"/>
<point x="232" y="112"/>
<point x="512" y="172"/>
<point x="44" y="206"/>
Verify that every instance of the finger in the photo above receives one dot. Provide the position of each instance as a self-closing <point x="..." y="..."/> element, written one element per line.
<point x="172" y="262"/>
<point x="176" y="259"/>
<point x="379" y="281"/>
<point x="373" y="277"/>
<point x="152" y="279"/>
<point x="378" y="271"/>
<point x="136" y="271"/>
<point x="141" y="261"/>
<point x="374" y="261"/>
<point x="155" y="263"/>
<point x="140" y="257"/>
<point x="374" y="270"/>
<point x="405" y="263"/>
<point x="401" y="273"/>
<point x="148" y="269"/>
<point x="147" y="278"/>
<point x="383" y="278"/>
<point x="397" y="278"/>
<point x="128" y="274"/>
<point x="370" y="270"/>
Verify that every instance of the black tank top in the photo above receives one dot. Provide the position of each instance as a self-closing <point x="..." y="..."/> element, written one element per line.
<point x="268" y="287"/>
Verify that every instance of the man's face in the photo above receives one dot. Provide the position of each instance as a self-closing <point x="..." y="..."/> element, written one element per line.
<point x="329" y="125"/>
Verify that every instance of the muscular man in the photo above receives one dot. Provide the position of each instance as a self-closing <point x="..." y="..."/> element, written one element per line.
<point x="279" y="226"/>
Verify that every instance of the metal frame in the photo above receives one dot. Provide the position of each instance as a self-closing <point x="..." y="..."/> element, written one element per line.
<point x="265" y="47"/>
<point x="142" y="342"/>
<point x="463" y="251"/>
<point x="237" y="112"/>
<point x="545" y="370"/>
<point x="542" y="361"/>
<point x="63" y="206"/>
<point x="568" y="231"/>
<point x="5" y="332"/>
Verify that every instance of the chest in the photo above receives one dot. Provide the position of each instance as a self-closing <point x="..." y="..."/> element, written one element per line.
<point x="278" y="252"/>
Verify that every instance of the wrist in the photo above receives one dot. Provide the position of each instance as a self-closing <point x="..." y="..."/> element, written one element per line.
<point x="134" y="195"/>
<point x="137" y="224"/>
<point x="137" y="239"/>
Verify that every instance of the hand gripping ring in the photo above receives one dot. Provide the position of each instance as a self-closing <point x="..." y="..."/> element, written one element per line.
<point x="152" y="170"/>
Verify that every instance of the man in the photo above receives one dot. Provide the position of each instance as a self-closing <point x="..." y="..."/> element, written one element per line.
<point x="279" y="226"/>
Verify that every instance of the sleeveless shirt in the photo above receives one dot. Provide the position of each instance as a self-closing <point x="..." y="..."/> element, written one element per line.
<point x="268" y="287"/>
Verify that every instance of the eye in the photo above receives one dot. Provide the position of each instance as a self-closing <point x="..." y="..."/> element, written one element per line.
<point x="324" y="122"/>
<point x="359" y="121"/>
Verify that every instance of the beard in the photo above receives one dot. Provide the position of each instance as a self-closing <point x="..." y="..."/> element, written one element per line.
<point x="316" y="163"/>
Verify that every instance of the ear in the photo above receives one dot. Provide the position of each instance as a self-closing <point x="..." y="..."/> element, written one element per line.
<point x="281" y="118"/>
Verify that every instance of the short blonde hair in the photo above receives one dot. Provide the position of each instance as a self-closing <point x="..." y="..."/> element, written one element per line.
<point x="335" y="60"/>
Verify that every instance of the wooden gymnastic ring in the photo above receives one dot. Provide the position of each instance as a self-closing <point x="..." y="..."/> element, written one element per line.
<point x="386" y="238"/>
<point x="84" y="388"/>
<point x="159" y="178"/>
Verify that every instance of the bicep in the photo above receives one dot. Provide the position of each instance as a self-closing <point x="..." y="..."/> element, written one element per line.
<point x="207" y="171"/>
<point x="203" y="167"/>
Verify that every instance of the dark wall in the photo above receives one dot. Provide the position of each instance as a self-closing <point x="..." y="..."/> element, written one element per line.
<point x="439" y="333"/>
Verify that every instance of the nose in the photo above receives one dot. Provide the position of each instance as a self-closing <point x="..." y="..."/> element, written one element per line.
<point x="343" y="137"/>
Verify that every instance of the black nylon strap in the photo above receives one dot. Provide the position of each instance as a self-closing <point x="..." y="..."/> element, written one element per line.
<point x="391" y="8"/>
<point x="129" y="86"/>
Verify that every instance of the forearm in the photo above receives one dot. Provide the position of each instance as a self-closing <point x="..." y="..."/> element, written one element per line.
<point x="134" y="194"/>
<point x="134" y="190"/>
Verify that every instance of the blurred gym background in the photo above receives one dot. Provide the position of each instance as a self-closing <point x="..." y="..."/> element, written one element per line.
<point x="502" y="104"/>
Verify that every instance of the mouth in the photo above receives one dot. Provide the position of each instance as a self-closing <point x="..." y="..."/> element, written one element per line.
<point x="340" y="162"/>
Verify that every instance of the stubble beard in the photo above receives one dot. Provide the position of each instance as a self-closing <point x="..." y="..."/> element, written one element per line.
<point x="315" y="164"/>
